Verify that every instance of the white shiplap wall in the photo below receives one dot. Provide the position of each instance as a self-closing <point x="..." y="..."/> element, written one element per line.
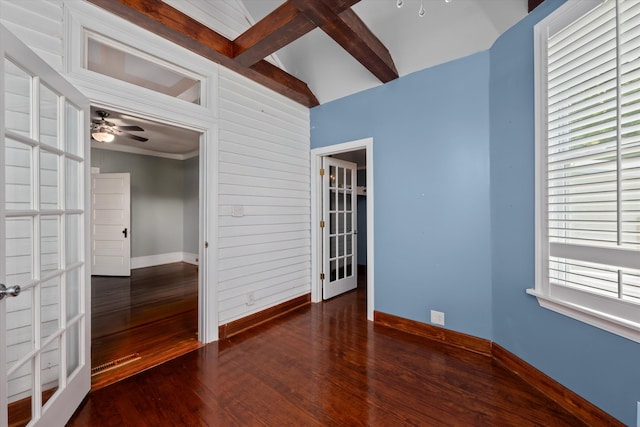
<point x="39" y="24"/>
<point x="263" y="167"/>
<point x="264" y="255"/>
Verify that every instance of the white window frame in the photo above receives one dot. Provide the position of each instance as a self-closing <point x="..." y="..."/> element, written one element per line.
<point x="614" y="315"/>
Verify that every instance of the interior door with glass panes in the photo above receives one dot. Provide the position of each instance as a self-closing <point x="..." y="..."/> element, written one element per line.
<point x="339" y="235"/>
<point x="44" y="312"/>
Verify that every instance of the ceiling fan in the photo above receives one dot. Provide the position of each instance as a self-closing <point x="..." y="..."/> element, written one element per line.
<point x="104" y="131"/>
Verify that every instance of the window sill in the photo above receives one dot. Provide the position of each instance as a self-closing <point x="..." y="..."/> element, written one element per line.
<point x="615" y="325"/>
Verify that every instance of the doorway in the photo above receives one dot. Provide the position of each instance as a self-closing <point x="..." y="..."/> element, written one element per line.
<point x="148" y="314"/>
<point x="361" y="153"/>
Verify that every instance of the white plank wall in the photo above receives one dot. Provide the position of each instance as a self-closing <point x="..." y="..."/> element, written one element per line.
<point x="264" y="163"/>
<point x="265" y="254"/>
<point x="39" y="24"/>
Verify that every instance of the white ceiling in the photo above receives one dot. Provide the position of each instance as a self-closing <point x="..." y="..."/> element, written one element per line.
<point x="164" y="140"/>
<point x="449" y="30"/>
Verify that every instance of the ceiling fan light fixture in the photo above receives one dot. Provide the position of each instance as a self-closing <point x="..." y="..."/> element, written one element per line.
<point x="101" y="135"/>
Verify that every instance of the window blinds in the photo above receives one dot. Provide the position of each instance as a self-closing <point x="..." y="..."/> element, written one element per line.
<point x="593" y="152"/>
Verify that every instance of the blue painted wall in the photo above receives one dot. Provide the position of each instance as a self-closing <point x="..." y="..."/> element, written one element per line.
<point x="602" y="367"/>
<point x="431" y="177"/>
<point x="454" y="203"/>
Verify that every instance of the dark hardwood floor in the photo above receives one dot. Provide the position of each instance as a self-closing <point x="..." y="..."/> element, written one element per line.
<point x="141" y="321"/>
<point x="323" y="364"/>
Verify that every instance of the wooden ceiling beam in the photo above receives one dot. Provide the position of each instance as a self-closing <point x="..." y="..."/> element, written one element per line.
<point x="162" y="19"/>
<point x="350" y="32"/>
<point x="273" y="32"/>
<point x="276" y="30"/>
<point x="533" y="4"/>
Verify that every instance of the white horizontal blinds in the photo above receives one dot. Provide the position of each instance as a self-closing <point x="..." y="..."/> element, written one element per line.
<point x="593" y="163"/>
<point x="630" y="138"/>
<point x="582" y="129"/>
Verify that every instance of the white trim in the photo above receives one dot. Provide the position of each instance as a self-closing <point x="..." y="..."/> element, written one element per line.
<point x="3" y="342"/>
<point x="316" y="214"/>
<point x="142" y="151"/>
<point x="591" y="317"/>
<point x="109" y="93"/>
<point x="190" y="258"/>
<point x="160" y="259"/>
<point x="592" y="309"/>
<point x="81" y="16"/>
<point x="208" y="318"/>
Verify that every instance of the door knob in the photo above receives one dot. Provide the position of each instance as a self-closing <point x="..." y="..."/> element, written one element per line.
<point x="125" y="233"/>
<point x="11" y="291"/>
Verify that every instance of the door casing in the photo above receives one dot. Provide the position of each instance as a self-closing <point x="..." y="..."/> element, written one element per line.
<point x="109" y="94"/>
<point x="316" y="214"/>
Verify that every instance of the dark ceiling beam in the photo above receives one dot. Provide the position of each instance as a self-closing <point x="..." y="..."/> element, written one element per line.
<point x="273" y="32"/>
<point x="162" y="19"/>
<point x="276" y="30"/>
<point x="534" y="3"/>
<point x="348" y="30"/>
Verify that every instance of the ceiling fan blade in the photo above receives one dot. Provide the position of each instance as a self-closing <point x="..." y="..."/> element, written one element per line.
<point x="136" y="137"/>
<point x="130" y="128"/>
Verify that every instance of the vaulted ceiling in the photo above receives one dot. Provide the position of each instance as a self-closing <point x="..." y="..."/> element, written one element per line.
<point x="326" y="49"/>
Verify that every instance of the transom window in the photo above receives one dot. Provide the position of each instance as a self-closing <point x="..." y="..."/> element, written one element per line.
<point x="110" y="58"/>
<point x="588" y="163"/>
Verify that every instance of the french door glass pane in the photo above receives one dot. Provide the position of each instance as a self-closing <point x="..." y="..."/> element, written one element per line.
<point x="48" y="117"/>
<point x="73" y="144"/>
<point x="332" y="246"/>
<point x="50" y="370"/>
<point x="18" y="175"/>
<point x="73" y="174"/>
<point x="20" y="395"/>
<point x="49" y="244"/>
<point x="50" y="309"/>
<point x="72" y="293"/>
<point x="20" y="336"/>
<point x="73" y="348"/>
<point x="19" y="247"/>
<point x="48" y="180"/>
<point x="73" y="235"/>
<point x="17" y="91"/>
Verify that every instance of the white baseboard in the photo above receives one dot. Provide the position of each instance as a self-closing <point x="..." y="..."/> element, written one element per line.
<point x="168" y="258"/>
<point x="190" y="258"/>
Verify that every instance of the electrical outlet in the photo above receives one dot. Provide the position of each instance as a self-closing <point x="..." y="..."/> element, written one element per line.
<point x="437" y="317"/>
<point x="237" y="211"/>
<point x="251" y="298"/>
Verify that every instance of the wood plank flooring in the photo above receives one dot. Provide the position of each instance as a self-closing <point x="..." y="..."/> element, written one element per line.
<point x="153" y="314"/>
<point x="323" y="364"/>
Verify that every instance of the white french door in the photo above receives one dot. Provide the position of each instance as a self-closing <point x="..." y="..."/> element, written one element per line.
<point x="339" y="235"/>
<point x="111" y="224"/>
<point x="44" y="329"/>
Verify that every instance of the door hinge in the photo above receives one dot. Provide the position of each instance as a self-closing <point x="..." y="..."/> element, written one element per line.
<point x="321" y="276"/>
<point x="321" y="172"/>
<point x="206" y="245"/>
<point x="321" y="224"/>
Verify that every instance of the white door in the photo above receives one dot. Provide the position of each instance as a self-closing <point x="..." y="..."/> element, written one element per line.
<point x="111" y="224"/>
<point x="45" y="329"/>
<point x="339" y="235"/>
